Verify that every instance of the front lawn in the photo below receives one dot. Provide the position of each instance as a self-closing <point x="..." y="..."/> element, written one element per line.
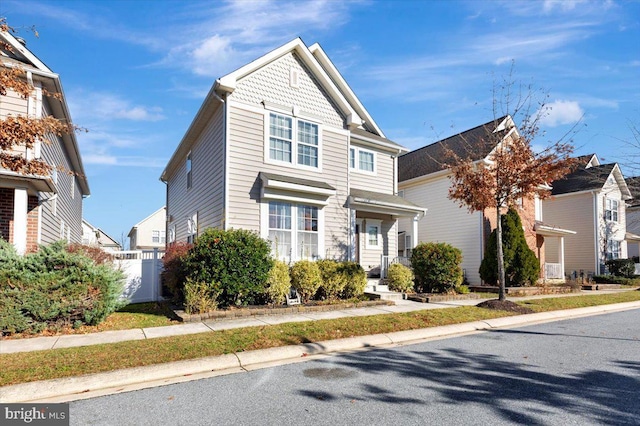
<point x="50" y="364"/>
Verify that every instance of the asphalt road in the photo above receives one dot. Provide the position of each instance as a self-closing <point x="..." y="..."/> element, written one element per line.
<point x="572" y="372"/>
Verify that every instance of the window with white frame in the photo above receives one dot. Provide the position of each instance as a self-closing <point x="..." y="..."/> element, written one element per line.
<point x="374" y="233"/>
<point x="189" y="174"/>
<point x="172" y="234"/>
<point x="362" y="160"/>
<point x="614" y="249"/>
<point x="158" y="236"/>
<point x="192" y="228"/>
<point x="293" y="230"/>
<point x="611" y="210"/>
<point x="283" y="145"/>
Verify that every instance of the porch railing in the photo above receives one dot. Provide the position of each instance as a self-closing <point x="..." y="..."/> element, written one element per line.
<point x="386" y="260"/>
<point x="553" y="271"/>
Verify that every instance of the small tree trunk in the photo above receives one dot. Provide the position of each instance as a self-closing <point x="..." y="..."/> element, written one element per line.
<point x="501" y="279"/>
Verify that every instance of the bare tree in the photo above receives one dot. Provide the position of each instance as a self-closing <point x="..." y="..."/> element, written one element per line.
<point x="512" y="170"/>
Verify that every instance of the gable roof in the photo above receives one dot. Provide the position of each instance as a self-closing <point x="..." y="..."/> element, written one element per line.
<point x="134" y="227"/>
<point x="315" y="59"/>
<point x="104" y="239"/>
<point x="590" y="178"/>
<point x="472" y="143"/>
<point x="633" y="183"/>
<point x="23" y="57"/>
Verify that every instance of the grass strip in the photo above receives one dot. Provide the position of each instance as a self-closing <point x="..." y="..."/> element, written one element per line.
<point x="50" y="364"/>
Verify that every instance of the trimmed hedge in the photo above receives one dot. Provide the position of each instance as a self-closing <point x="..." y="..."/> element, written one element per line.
<point x="278" y="283"/>
<point x="235" y="264"/>
<point x="436" y="267"/>
<point x="306" y="279"/>
<point x="400" y="278"/>
<point x="621" y="267"/>
<point x="54" y="288"/>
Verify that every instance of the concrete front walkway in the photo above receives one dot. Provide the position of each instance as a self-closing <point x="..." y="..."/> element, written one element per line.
<point x="73" y="340"/>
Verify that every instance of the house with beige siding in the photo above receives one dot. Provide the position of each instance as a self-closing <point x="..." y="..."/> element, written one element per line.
<point x="37" y="209"/>
<point x="96" y="237"/>
<point x="633" y="219"/>
<point x="591" y="201"/>
<point x="424" y="179"/>
<point x="283" y="147"/>
<point x="150" y="232"/>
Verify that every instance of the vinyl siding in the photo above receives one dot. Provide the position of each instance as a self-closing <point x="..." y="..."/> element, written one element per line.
<point x="143" y="238"/>
<point x="271" y="84"/>
<point x="382" y="180"/>
<point x="246" y="161"/>
<point x="13" y="104"/>
<point x="574" y="212"/>
<point x="446" y="222"/>
<point x="206" y="196"/>
<point x="68" y="212"/>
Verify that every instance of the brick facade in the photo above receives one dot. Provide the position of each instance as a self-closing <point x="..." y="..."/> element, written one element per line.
<point x="6" y="218"/>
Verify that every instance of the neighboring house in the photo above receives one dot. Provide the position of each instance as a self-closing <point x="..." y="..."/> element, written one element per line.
<point x="40" y="209"/>
<point x="96" y="237"/>
<point x="591" y="201"/>
<point x="424" y="180"/>
<point x="150" y="232"/>
<point x="283" y="147"/>
<point x="633" y="219"/>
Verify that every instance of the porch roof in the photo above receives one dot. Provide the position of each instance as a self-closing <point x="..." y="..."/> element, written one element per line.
<point x="35" y="183"/>
<point x="632" y="237"/>
<point x="550" y="230"/>
<point x="376" y="202"/>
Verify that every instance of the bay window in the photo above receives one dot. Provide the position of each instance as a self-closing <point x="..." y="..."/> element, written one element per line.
<point x="293" y="239"/>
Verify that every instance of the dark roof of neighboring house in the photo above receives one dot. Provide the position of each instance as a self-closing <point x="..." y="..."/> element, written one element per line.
<point x="583" y="179"/>
<point x="633" y="183"/>
<point x="473" y="144"/>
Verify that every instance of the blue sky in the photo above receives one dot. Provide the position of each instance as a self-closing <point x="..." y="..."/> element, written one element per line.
<point x="136" y="72"/>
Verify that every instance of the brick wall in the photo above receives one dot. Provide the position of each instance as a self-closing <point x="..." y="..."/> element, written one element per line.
<point x="6" y="218"/>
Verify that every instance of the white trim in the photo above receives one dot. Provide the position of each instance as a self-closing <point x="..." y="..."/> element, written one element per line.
<point x="356" y="168"/>
<point x="20" y="219"/>
<point x="227" y="150"/>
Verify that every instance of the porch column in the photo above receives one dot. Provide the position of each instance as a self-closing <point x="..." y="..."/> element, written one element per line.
<point x="561" y="255"/>
<point x="20" y="209"/>
<point x="352" y="235"/>
<point x="414" y="239"/>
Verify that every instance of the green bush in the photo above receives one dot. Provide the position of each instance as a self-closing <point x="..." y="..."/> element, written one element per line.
<point x="200" y="297"/>
<point x="334" y="279"/>
<point x="436" y="267"/>
<point x="174" y="272"/>
<point x="237" y="259"/>
<point x="55" y="288"/>
<point x="621" y="267"/>
<point x="521" y="265"/>
<point x="278" y="283"/>
<point x="612" y="279"/>
<point x="462" y="289"/>
<point x="356" y="280"/>
<point x="400" y="278"/>
<point x="306" y="279"/>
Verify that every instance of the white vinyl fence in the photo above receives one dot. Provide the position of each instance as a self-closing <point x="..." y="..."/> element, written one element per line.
<point x="142" y="269"/>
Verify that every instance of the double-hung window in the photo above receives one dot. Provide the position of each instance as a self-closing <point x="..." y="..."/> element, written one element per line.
<point x="611" y="210"/>
<point x="158" y="236"/>
<point x="293" y="230"/>
<point x="362" y="160"/>
<point x="294" y="141"/>
<point x="614" y="250"/>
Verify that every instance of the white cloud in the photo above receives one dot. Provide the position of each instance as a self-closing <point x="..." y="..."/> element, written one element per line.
<point x="107" y="106"/>
<point x="564" y="5"/>
<point x="561" y="112"/>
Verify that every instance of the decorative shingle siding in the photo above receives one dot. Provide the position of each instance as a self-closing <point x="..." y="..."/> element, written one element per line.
<point x="271" y="83"/>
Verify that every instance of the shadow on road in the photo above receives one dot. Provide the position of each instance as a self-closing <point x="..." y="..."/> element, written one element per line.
<point x="460" y="377"/>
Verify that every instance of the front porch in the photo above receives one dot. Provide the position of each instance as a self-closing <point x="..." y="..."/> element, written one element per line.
<point x="373" y="234"/>
<point x="551" y="271"/>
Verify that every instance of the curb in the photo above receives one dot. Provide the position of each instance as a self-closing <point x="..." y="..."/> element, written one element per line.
<point x="99" y="384"/>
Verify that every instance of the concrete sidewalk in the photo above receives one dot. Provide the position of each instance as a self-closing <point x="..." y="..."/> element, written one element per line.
<point x="74" y="340"/>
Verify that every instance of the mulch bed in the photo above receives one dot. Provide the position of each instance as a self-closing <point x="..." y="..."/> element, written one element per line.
<point x="505" y="305"/>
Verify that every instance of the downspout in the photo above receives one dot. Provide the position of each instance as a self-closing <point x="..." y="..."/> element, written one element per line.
<point x="225" y="132"/>
<point x="596" y="233"/>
